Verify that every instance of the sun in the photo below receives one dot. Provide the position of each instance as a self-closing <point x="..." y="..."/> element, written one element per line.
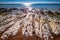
<point x="27" y="4"/>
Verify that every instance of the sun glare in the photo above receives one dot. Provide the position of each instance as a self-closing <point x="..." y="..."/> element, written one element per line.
<point x="27" y="4"/>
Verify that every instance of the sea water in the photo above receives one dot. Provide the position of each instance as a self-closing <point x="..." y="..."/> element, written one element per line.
<point x="49" y="6"/>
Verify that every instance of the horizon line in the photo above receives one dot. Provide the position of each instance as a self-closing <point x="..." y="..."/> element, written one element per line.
<point x="30" y="2"/>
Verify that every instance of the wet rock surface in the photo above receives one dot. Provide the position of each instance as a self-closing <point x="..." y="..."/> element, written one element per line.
<point x="35" y="24"/>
